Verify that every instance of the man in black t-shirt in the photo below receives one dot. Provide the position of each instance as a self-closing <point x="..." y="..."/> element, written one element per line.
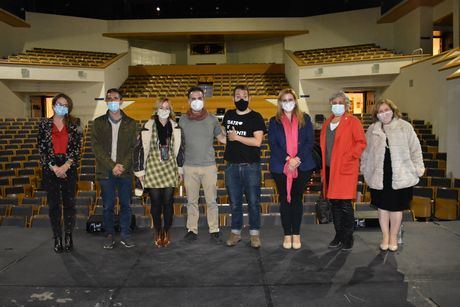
<point x="245" y="130"/>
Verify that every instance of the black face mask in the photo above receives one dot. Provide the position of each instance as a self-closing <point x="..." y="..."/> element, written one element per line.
<point x="241" y="105"/>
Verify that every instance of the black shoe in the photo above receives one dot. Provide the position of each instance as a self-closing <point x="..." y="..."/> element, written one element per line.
<point x="215" y="236"/>
<point x="190" y="236"/>
<point x="68" y="242"/>
<point x="109" y="242"/>
<point x="336" y="243"/>
<point x="347" y="245"/>
<point x="58" y="248"/>
<point x="127" y="242"/>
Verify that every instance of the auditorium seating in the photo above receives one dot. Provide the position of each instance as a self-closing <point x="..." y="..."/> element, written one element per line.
<point x="58" y="57"/>
<point x="355" y="53"/>
<point x="174" y="85"/>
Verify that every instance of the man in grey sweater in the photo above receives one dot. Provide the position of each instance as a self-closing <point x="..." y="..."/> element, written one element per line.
<point x="200" y="128"/>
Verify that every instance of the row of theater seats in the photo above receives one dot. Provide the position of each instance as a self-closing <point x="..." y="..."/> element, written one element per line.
<point x="58" y="57"/>
<point x="177" y="85"/>
<point x="23" y="202"/>
<point x="344" y="54"/>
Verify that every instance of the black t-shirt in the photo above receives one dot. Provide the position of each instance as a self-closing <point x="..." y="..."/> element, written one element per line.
<point x="245" y="125"/>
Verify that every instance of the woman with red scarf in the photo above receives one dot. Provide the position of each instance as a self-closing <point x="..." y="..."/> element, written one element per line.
<point x="291" y="139"/>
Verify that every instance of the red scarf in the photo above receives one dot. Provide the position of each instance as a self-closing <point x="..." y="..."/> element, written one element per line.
<point x="292" y="136"/>
<point x="197" y="116"/>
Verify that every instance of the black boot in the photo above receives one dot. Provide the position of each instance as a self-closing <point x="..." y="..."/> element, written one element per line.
<point x="58" y="245"/>
<point x="336" y="216"/>
<point x="348" y="224"/>
<point x="68" y="242"/>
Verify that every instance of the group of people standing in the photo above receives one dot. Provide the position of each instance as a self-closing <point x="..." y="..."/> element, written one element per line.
<point x="165" y="153"/>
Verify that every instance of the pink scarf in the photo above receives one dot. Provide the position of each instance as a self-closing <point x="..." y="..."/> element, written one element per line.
<point x="292" y="136"/>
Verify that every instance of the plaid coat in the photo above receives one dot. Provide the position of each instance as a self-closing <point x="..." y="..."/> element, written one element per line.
<point x="143" y="149"/>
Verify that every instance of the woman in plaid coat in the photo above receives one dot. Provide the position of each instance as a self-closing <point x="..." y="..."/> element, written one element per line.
<point x="158" y="161"/>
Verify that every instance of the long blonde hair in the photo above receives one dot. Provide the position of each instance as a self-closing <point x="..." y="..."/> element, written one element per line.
<point x="158" y="105"/>
<point x="298" y="113"/>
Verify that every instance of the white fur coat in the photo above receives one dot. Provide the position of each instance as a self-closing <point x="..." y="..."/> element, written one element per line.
<point x="405" y="150"/>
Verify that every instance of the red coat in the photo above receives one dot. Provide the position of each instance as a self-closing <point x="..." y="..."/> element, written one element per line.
<point x="349" y="143"/>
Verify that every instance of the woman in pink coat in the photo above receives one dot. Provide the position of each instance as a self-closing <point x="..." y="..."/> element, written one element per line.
<point x="342" y="142"/>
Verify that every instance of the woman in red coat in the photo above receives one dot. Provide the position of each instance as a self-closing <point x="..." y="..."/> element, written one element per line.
<point x="342" y="142"/>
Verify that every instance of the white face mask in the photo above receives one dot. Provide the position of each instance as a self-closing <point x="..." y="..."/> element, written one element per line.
<point x="163" y="114"/>
<point x="338" y="109"/>
<point x="385" y="117"/>
<point x="197" y="105"/>
<point x="288" y="106"/>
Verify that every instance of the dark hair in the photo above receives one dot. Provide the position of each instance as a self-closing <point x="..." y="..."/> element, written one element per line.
<point x="67" y="118"/>
<point x="114" y="90"/>
<point x="241" y="87"/>
<point x="194" y="89"/>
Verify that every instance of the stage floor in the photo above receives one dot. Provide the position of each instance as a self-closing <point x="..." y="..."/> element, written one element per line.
<point x="424" y="272"/>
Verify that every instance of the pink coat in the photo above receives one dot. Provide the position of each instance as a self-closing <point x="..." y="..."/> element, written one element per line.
<point x="349" y="143"/>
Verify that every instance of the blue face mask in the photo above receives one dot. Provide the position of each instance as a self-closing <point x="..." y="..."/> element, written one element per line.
<point x="60" y="110"/>
<point x="113" y="106"/>
<point x="338" y="109"/>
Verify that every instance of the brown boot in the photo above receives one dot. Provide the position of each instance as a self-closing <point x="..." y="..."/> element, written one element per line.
<point x="255" y="241"/>
<point x="166" y="238"/>
<point x="158" y="241"/>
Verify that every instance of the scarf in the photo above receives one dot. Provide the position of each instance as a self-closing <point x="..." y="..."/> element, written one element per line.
<point x="292" y="136"/>
<point x="197" y="116"/>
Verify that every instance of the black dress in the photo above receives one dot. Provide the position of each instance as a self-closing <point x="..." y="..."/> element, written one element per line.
<point x="389" y="199"/>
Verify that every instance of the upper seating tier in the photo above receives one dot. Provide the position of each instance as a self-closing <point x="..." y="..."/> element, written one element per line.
<point x="58" y="57"/>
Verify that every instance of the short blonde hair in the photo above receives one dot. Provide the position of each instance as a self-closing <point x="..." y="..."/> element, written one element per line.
<point x="298" y="113"/>
<point x="158" y="105"/>
<point x="388" y="102"/>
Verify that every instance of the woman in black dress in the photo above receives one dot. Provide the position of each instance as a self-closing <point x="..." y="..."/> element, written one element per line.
<point x="391" y="164"/>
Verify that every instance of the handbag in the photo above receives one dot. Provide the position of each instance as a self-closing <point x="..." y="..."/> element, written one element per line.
<point x="323" y="210"/>
<point x="95" y="223"/>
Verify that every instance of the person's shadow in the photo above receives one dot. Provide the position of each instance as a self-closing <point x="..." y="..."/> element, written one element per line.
<point x="378" y="283"/>
<point x="303" y="274"/>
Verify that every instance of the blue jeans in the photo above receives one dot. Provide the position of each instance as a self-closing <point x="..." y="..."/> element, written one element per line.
<point x="244" y="178"/>
<point x="124" y="185"/>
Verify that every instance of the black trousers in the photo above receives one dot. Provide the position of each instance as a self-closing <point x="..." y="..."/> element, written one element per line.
<point x="291" y="213"/>
<point x="61" y="189"/>
<point x="161" y="200"/>
<point x="343" y="216"/>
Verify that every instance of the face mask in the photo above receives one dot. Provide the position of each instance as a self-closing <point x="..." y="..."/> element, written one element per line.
<point x="163" y="114"/>
<point x="241" y="105"/>
<point x="385" y="117"/>
<point x="338" y="109"/>
<point x="197" y="105"/>
<point x="288" y="106"/>
<point x="113" y="106"/>
<point x="60" y="110"/>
